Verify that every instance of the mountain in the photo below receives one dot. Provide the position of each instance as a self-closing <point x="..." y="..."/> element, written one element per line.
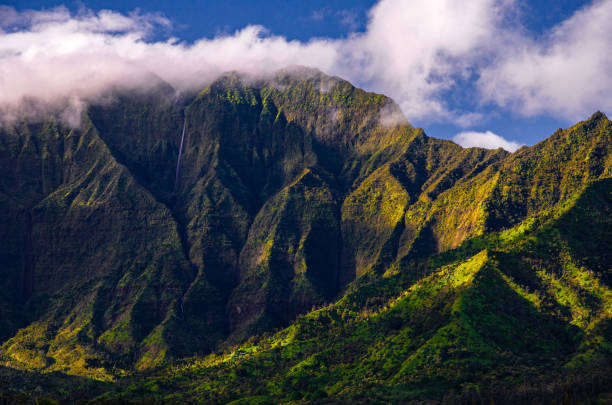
<point x="310" y="245"/>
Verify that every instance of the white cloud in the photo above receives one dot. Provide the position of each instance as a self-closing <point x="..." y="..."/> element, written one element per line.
<point x="413" y="50"/>
<point x="568" y="74"/>
<point x="416" y="52"/>
<point x="488" y="140"/>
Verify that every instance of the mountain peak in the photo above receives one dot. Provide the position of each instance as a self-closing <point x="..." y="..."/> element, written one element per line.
<point x="598" y="116"/>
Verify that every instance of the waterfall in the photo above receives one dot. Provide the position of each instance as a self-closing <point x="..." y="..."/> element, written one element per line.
<point x="178" y="163"/>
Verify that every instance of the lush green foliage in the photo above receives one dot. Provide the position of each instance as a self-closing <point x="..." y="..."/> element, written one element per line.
<point x="316" y="248"/>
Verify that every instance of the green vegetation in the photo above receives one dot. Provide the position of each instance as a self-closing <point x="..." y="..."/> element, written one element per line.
<point x="315" y="249"/>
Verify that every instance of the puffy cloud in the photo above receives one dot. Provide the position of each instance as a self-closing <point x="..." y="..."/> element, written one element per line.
<point x="568" y="74"/>
<point x="488" y="140"/>
<point x="415" y="50"/>
<point x="419" y="53"/>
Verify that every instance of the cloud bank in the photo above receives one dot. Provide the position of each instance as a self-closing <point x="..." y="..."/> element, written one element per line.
<point x="419" y="53"/>
<point x="488" y="140"/>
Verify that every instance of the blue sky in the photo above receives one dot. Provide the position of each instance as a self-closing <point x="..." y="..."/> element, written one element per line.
<point x="194" y="19"/>
<point x="517" y="69"/>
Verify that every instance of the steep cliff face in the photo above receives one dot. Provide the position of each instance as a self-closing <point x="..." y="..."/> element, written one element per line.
<point x="290" y="190"/>
<point x="101" y="261"/>
<point x="541" y="176"/>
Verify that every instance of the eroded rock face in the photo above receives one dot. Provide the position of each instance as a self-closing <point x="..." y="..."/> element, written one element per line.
<point x="289" y="189"/>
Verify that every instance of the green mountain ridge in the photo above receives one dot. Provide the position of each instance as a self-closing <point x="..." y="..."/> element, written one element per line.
<point x="361" y="259"/>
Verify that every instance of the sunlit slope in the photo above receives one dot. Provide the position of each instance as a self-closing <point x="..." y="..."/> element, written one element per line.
<point x="504" y="192"/>
<point x="526" y="304"/>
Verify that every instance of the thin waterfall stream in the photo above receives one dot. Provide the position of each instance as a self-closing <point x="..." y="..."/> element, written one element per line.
<point x="176" y="179"/>
<point x="178" y="162"/>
